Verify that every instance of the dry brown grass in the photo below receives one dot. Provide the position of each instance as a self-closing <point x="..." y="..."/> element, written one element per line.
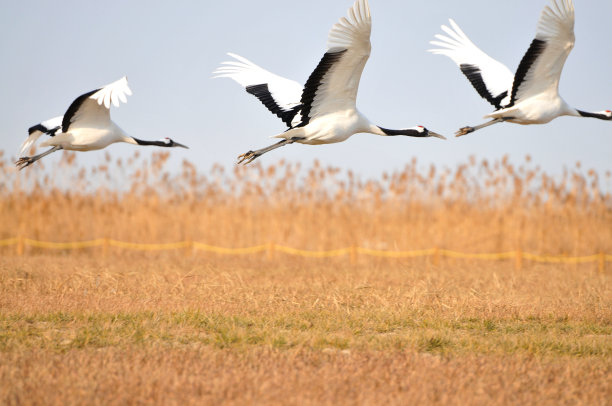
<point x="88" y="327"/>
<point x="204" y="376"/>
<point x="176" y="330"/>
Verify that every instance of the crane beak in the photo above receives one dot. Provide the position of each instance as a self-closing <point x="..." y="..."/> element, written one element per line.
<point x="433" y="134"/>
<point x="176" y="144"/>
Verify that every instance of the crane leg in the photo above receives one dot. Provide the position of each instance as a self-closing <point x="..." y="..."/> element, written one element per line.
<point x="26" y="161"/>
<point x="467" y="130"/>
<point x="250" y="156"/>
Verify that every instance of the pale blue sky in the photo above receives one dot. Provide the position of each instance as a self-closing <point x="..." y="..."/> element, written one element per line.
<point x="53" y="51"/>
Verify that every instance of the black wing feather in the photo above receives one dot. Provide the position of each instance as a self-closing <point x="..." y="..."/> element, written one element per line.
<point x="74" y="107"/>
<point x="474" y="75"/>
<point x="262" y="92"/>
<point x="536" y="49"/>
<point x="39" y="127"/>
<point x="314" y="82"/>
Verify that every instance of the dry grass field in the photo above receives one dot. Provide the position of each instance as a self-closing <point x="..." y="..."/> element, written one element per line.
<point x="95" y="326"/>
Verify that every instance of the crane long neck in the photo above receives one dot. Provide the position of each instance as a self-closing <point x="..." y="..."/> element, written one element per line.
<point x="368" y="127"/>
<point x="410" y="132"/>
<point x="150" y="143"/>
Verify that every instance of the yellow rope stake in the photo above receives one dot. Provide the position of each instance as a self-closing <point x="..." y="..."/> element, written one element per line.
<point x="353" y="254"/>
<point x="105" y="247"/>
<point x="436" y="257"/>
<point x="189" y="248"/>
<point x="518" y="264"/>
<point x="602" y="263"/>
<point x="20" y="245"/>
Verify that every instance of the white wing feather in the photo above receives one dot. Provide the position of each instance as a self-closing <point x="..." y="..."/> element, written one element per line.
<point x="114" y="93"/>
<point x="286" y="92"/>
<point x="339" y="87"/>
<point x="457" y="46"/>
<point x="556" y="28"/>
<point x="35" y="135"/>
<point x="29" y="142"/>
<point x="94" y="112"/>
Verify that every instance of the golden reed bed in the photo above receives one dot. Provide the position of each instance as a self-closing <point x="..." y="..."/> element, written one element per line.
<point x="476" y="207"/>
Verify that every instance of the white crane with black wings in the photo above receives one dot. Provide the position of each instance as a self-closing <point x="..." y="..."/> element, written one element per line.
<point x="531" y="95"/>
<point x="324" y="110"/>
<point x="86" y="125"/>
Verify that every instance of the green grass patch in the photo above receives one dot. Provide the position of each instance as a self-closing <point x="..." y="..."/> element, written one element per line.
<point x="318" y="331"/>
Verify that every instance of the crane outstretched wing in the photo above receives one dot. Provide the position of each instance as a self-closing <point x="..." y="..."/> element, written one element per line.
<point x="491" y="79"/>
<point x="281" y="96"/>
<point x="540" y="69"/>
<point x="334" y="84"/>
<point x="93" y="108"/>
<point x="48" y="127"/>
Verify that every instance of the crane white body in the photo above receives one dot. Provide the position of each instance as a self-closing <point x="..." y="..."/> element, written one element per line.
<point x="332" y="128"/>
<point x="323" y="111"/>
<point x="86" y="126"/>
<point x="531" y="95"/>
<point x="540" y="109"/>
<point x="89" y="139"/>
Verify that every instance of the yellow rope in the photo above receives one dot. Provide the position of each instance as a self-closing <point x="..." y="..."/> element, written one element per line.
<point x="395" y="254"/>
<point x="568" y="260"/>
<point x="229" y="251"/>
<point x="149" y="247"/>
<point x="63" y="245"/>
<point x="8" y="242"/>
<point x="270" y="248"/>
<point x="461" y="255"/>
<point x="312" y="254"/>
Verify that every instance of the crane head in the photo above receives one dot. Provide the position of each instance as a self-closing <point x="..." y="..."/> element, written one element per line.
<point x="427" y="133"/>
<point x="169" y="142"/>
